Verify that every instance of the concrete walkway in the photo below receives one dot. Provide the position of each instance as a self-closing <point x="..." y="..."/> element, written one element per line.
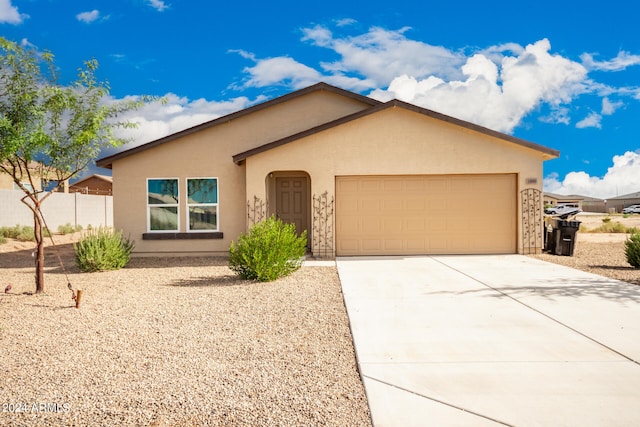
<point x="493" y="340"/>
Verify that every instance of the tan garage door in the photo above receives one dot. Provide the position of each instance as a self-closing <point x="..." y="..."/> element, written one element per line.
<point x="425" y="214"/>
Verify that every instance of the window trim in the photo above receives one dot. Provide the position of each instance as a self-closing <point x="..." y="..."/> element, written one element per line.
<point x="188" y="205"/>
<point x="176" y="205"/>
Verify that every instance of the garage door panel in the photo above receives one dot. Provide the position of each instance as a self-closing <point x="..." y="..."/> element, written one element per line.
<point x="377" y="215"/>
<point x="414" y="204"/>
<point x="392" y="185"/>
<point x="393" y="226"/>
<point x="416" y="225"/>
<point x="372" y="245"/>
<point x="393" y="245"/>
<point x="416" y="245"/>
<point x="369" y="225"/>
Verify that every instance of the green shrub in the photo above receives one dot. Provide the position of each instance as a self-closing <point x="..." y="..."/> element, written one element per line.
<point x="271" y="249"/>
<point x="25" y="234"/>
<point x="606" y="219"/>
<point x="68" y="228"/>
<point x="611" y="227"/>
<point x="102" y="249"/>
<point x="10" y="232"/>
<point x="632" y="250"/>
<point x="3" y="240"/>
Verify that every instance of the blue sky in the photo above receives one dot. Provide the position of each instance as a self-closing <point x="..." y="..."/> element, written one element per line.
<point x="564" y="74"/>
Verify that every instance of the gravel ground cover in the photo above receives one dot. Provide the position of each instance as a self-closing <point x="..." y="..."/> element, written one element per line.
<point x="182" y="341"/>
<point x="600" y="253"/>
<point x="175" y="342"/>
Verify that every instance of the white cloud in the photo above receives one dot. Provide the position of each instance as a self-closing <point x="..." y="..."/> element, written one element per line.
<point x="380" y="55"/>
<point x="621" y="178"/>
<point x="591" y="121"/>
<point x="88" y="17"/>
<point x="158" y="5"/>
<point x="9" y="13"/>
<point x="345" y="22"/>
<point x="619" y="63"/>
<point x="283" y="70"/>
<point x="608" y="107"/>
<point x="559" y="115"/>
<point x="497" y="95"/>
<point x="497" y="86"/>
<point x="279" y="70"/>
<point x="368" y="61"/>
<point x="319" y="35"/>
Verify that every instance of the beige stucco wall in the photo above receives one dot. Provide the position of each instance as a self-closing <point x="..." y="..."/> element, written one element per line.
<point x="395" y="141"/>
<point x="208" y="153"/>
<point x="6" y="182"/>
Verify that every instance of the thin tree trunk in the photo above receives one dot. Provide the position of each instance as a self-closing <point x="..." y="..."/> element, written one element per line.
<point x="39" y="258"/>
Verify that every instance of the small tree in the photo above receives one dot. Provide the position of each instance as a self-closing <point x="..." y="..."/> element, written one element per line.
<point x="49" y="132"/>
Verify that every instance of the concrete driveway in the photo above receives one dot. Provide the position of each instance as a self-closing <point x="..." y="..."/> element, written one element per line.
<point x="493" y="340"/>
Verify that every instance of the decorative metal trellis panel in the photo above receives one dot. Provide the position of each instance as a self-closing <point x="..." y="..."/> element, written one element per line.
<point x="322" y="239"/>
<point x="532" y="218"/>
<point x="256" y="211"/>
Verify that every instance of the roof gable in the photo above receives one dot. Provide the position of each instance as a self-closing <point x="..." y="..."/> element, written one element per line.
<point x="548" y="153"/>
<point x="107" y="161"/>
<point x="104" y="178"/>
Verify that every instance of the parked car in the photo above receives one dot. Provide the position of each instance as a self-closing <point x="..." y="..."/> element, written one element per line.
<point x="631" y="209"/>
<point x="562" y="209"/>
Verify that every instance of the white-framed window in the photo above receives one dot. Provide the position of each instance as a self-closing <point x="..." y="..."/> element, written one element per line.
<point x="202" y="204"/>
<point x="163" y="200"/>
<point x="25" y="184"/>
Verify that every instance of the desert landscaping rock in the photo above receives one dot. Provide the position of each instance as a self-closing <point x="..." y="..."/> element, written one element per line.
<point x="183" y="341"/>
<point x="175" y="342"/>
<point x="600" y="253"/>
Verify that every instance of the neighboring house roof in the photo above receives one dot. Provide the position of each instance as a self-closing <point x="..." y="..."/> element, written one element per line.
<point x="105" y="178"/>
<point x="635" y="195"/>
<point x="563" y="197"/>
<point x="590" y="199"/>
<point x="548" y="152"/>
<point x="32" y="165"/>
<point x="107" y="161"/>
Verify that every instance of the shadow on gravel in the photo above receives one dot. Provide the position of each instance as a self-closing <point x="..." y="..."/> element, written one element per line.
<point x="171" y="262"/>
<point x="615" y="267"/>
<point x="575" y="288"/>
<point x="226" y="280"/>
<point x="25" y="259"/>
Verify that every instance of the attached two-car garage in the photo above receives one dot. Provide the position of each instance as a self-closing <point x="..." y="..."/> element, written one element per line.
<point x="426" y="214"/>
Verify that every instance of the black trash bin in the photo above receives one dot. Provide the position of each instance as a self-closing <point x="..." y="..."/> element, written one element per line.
<point x="565" y="236"/>
<point x="550" y="235"/>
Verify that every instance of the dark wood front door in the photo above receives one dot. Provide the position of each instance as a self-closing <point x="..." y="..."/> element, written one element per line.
<point x="292" y="201"/>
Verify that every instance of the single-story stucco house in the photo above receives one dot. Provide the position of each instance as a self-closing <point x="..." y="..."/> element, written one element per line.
<point x="620" y="202"/>
<point x="363" y="177"/>
<point x="551" y="199"/>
